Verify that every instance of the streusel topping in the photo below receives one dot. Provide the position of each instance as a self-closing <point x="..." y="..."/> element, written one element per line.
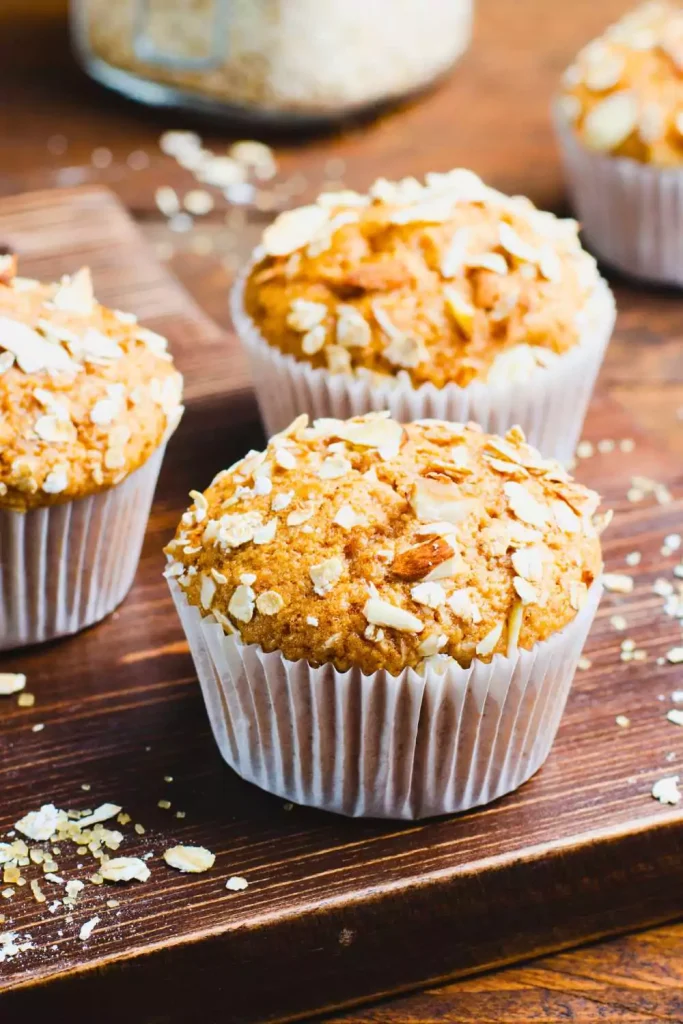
<point x="624" y="93"/>
<point x="86" y="393"/>
<point x="371" y="544"/>
<point x="446" y="282"/>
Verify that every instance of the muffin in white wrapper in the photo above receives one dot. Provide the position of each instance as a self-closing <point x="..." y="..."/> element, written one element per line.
<point x="631" y="213"/>
<point x="383" y="746"/>
<point x="619" y="124"/>
<point x="548" y="402"/>
<point x="90" y="399"/>
<point x="64" y="567"/>
<point x="386" y="618"/>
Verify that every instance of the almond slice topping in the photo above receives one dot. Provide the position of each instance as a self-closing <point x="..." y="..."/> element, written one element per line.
<point x="383" y="613"/>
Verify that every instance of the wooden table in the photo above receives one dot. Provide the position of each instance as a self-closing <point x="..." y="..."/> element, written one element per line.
<point x="57" y="129"/>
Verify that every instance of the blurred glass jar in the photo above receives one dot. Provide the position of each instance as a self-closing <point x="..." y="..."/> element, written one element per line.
<point x="270" y="60"/>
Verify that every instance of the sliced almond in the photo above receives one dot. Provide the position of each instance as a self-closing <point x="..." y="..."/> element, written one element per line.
<point x="528" y="563"/>
<point x="462" y="311"/>
<point x="429" y="594"/>
<point x="352" y="330"/>
<point x="525" y="591"/>
<point x="75" y="294"/>
<point x="31" y="351"/>
<point x="525" y="506"/>
<point x="461" y="604"/>
<point x="436" y="500"/>
<point x="304" y="315"/>
<point x="326" y="575"/>
<point x="610" y="122"/>
<point x="293" y="230"/>
<point x="242" y="603"/>
<point x="489" y="643"/>
<point x="515" y="245"/>
<point x="492" y="261"/>
<point x="383" y="613"/>
<point x="453" y="259"/>
<point x="515" y="619"/>
<point x="578" y="592"/>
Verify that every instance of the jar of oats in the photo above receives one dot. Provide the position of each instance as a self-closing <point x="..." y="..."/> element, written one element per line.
<point x="271" y="60"/>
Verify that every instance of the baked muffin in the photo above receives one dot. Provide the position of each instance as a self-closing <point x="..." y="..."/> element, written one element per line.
<point x="620" y="124"/>
<point x="447" y="299"/>
<point x="364" y="585"/>
<point x="88" y="400"/>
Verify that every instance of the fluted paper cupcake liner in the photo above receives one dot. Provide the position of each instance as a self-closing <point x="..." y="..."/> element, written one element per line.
<point x="407" y="746"/>
<point x="550" y="405"/>
<point x="631" y="213"/>
<point x="65" y="567"/>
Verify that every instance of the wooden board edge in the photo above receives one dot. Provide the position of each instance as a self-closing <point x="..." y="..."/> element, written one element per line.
<point x="330" y="957"/>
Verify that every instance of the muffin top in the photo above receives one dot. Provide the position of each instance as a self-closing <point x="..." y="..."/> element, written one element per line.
<point x="624" y="93"/>
<point x="86" y="394"/>
<point x="446" y="282"/>
<point x="371" y="544"/>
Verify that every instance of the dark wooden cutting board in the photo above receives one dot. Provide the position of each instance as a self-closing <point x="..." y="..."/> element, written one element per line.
<point x="336" y="910"/>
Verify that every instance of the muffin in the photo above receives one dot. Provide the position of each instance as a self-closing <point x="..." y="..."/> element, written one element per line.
<point x="385" y="619"/>
<point x="619" y="121"/>
<point x="88" y="399"/>
<point x="447" y="300"/>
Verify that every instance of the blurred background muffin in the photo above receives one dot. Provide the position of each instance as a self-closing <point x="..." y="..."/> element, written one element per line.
<point x="620" y="124"/>
<point x="88" y="398"/>
<point x="448" y="299"/>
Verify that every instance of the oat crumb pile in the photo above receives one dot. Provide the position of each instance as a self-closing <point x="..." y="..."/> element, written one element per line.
<point x="446" y="282"/>
<point x="624" y="92"/>
<point x="366" y="543"/>
<point x="86" y="393"/>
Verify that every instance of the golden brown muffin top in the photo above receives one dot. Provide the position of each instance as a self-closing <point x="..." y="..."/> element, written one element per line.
<point x="624" y="93"/>
<point x="86" y="393"/>
<point x="447" y="282"/>
<point x="370" y="544"/>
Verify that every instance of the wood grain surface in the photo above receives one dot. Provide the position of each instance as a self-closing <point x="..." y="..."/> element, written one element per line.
<point x="580" y="851"/>
<point x="331" y="892"/>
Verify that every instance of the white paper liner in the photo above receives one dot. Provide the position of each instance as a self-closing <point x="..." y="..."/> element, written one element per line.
<point x="383" y="746"/>
<point x="631" y="213"/>
<point x="550" y="405"/>
<point x="64" y="567"/>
